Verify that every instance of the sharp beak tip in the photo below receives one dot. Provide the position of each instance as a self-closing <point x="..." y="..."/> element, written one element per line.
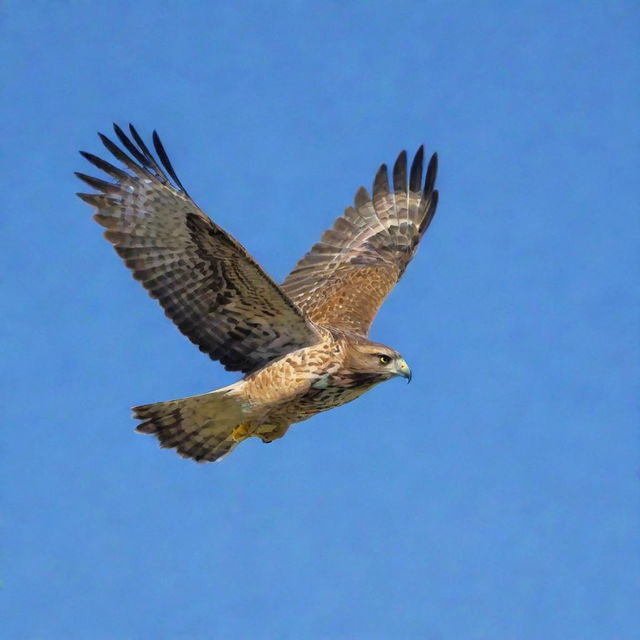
<point x="405" y="371"/>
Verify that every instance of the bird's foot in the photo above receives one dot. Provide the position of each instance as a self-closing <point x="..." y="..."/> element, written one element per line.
<point x="269" y="433"/>
<point x="241" y="432"/>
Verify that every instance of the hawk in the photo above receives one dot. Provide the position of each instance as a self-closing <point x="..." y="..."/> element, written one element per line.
<point x="302" y="345"/>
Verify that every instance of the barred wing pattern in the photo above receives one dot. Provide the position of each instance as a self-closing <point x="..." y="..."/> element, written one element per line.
<point x="207" y="283"/>
<point x="345" y="277"/>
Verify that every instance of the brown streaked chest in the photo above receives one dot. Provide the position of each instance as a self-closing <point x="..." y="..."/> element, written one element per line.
<point x="327" y="392"/>
<point x="289" y="378"/>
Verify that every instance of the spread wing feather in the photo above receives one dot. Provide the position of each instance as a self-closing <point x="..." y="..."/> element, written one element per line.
<point x="345" y="277"/>
<point x="207" y="283"/>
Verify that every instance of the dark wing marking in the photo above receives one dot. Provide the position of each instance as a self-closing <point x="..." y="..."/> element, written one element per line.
<point x="208" y="284"/>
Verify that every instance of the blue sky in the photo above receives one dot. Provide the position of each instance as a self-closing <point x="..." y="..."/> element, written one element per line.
<point x="498" y="495"/>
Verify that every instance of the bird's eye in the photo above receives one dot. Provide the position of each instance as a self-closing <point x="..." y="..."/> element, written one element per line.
<point x="384" y="360"/>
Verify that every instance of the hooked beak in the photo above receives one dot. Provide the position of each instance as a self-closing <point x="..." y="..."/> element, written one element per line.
<point x="402" y="369"/>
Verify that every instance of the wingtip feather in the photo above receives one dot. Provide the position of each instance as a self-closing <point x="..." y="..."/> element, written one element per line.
<point x="164" y="159"/>
<point x="415" y="174"/>
<point x="381" y="181"/>
<point x="89" y="198"/>
<point x="362" y="197"/>
<point x="432" y="172"/>
<point x="400" y="172"/>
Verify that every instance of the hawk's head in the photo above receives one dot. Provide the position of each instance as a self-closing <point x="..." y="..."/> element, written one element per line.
<point x="369" y="363"/>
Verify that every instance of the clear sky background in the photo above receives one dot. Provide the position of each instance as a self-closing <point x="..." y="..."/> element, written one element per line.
<point x="498" y="495"/>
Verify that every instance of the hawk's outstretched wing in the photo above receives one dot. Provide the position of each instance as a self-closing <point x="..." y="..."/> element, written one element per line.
<point x="345" y="277"/>
<point x="208" y="284"/>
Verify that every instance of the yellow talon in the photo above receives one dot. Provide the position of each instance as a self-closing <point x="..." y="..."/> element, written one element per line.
<point x="241" y="432"/>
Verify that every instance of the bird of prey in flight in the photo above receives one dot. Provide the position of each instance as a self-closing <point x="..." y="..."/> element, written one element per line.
<point x="302" y="345"/>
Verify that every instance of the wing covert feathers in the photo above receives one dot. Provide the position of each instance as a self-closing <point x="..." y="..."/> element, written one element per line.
<point x="345" y="277"/>
<point x="207" y="283"/>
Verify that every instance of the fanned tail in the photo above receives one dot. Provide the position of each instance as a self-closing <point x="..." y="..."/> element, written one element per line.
<point x="198" y="427"/>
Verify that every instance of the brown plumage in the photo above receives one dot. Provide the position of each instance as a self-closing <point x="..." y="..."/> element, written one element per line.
<point x="303" y="344"/>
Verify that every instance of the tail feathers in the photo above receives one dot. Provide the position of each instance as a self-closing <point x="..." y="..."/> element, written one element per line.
<point x="198" y="427"/>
